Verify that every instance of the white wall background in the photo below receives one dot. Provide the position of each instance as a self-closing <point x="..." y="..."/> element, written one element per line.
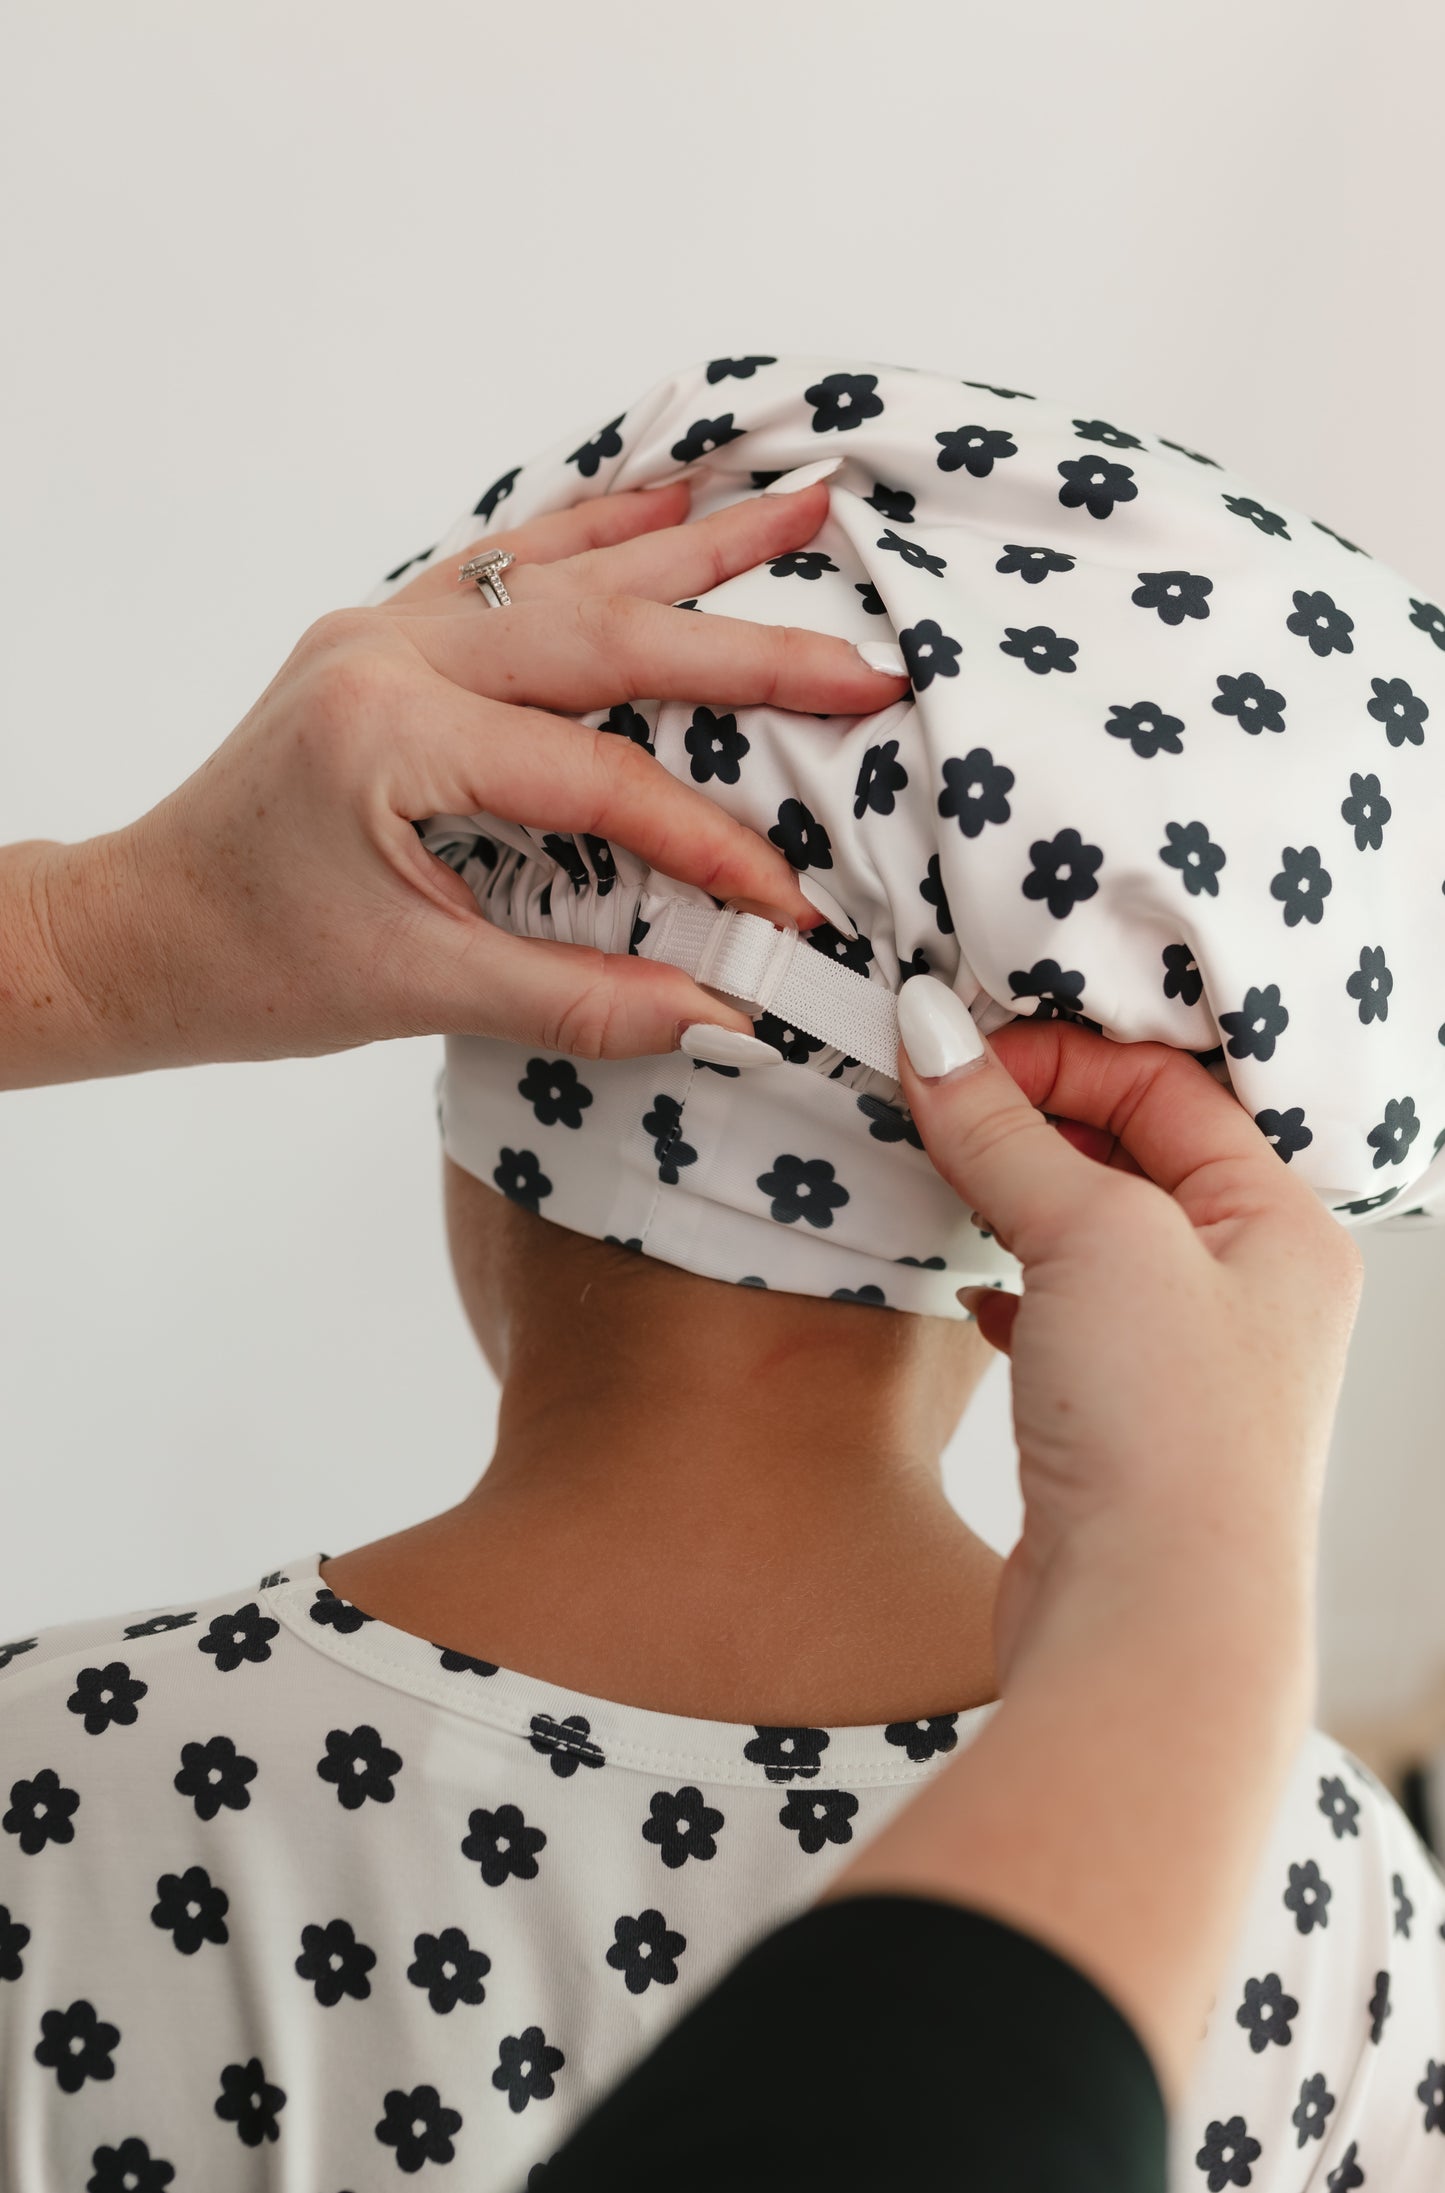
<point x="286" y="285"/>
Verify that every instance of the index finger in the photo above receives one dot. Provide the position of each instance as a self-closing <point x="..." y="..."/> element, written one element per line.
<point x="600" y="522"/>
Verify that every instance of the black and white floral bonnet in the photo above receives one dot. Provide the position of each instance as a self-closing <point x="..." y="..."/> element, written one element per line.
<point x="1173" y="767"/>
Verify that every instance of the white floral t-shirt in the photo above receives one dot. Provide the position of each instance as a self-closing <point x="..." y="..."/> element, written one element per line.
<point x="291" y="1899"/>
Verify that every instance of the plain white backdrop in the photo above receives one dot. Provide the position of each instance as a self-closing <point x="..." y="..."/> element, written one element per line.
<point x="285" y="287"/>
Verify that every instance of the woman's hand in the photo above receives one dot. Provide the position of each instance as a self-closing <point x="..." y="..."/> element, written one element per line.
<point x="279" y="903"/>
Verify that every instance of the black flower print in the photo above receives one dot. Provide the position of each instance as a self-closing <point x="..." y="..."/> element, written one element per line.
<point x="1431" y="2091"/>
<point x="854" y="952"/>
<point x="450" y="1970"/>
<point x="564" y="851"/>
<point x="893" y="503"/>
<point x="872" y="1296"/>
<point x="1302" y="885"/>
<point x="462" y="1663"/>
<point x="785" y="1753"/>
<point x="1308" y="1897"/>
<point x="1099" y="430"/>
<point x="889" y="1122"/>
<point x="607" y="443"/>
<point x="974" y="449"/>
<point x="1371" y="984"/>
<point x="1287" y="1131"/>
<point x="335" y="1962"/>
<point x="1174" y="594"/>
<point x="1227" y="2153"/>
<point x="664" y="1124"/>
<point x="1254" y="1030"/>
<point x="1032" y="565"/>
<point x="925" y="1263"/>
<point x="556" y="1092"/>
<point x="503" y="1845"/>
<point x="248" y="2101"/>
<point x="1380" y="2007"/>
<point x="796" y="1047"/>
<point x="924" y="1739"/>
<point x="819" y="1816"/>
<point x="842" y="401"/>
<point x="329" y="1612"/>
<point x="1404" y="1909"/>
<point x="191" y="1909"/>
<point x="1095" y="485"/>
<point x="928" y="653"/>
<point x="13" y="1937"/>
<point x="214" y="1774"/>
<point x="1040" y="647"/>
<point x="803" y="1188"/>
<point x="525" y="2068"/>
<point x="627" y="722"/>
<point x="1251" y="702"/>
<point x="802" y="563"/>
<point x="646" y="1949"/>
<point x="1400" y="710"/>
<point x="914" y="553"/>
<point x="1266" y="2012"/>
<point x="1314" y="2105"/>
<point x="129" y="2168"/>
<point x="497" y="493"/>
<point x="41" y="1811"/>
<point x="880" y="776"/>
<point x="360" y="1766"/>
<point x="716" y="747"/>
<point x="76" y="2044"/>
<point x="234" y="1638"/>
<point x="975" y="792"/>
<point x="1268" y="521"/>
<point x="519" y="1175"/>
<point x="566" y="1745"/>
<point x="1195" y="455"/>
<point x="155" y="1625"/>
<point x="931" y="889"/>
<point x="704" y="436"/>
<point x="419" y="2126"/>
<point x="1353" y="546"/>
<point x="1147" y="727"/>
<point x="800" y="837"/>
<point x="736" y="369"/>
<point x="1366" y="811"/>
<point x="1348" y="2174"/>
<point x="106" y="1697"/>
<point x="1008" y="394"/>
<point x="1428" y="618"/>
<point x="682" y="1825"/>
<point x="1064" y="873"/>
<point x="1182" y="978"/>
<point x="1317" y="619"/>
<point x="604" y="867"/>
<point x="18" y="1645"/>
<point x="1391" y="1140"/>
<point x="869" y="598"/>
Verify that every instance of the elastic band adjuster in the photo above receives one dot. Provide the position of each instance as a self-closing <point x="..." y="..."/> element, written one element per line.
<point x="746" y="957"/>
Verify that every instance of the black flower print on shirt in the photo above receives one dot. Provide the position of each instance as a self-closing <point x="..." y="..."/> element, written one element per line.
<point x="1266" y="2012"/>
<point x="1428" y="618"/>
<point x="664" y="1124"/>
<point x="13" y="1937"/>
<point x="802" y="563"/>
<point x="462" y="1663"/>
<point x="1308" y="1897"/>
<point x="1227" y="2153"/>
<point x="1302" y="885"/>
<point x="1195" y="456"/>
<point x="974" y="449"/>
<point x="893" y="503"/>
<point x="1347" y="2175"/>
<point x="646" y="1949"/>
<point x="800" y="837"/>
<point x="1255" y="1029"/>
<point x="106" y="1697"/>
<point x="236" y="1638"/>
<point x="803" y="1188"/>
<point x="566" y="1745"/>
<point x="889" y="1122"/>
<point x="335" y="1962"/>
<point x="129" y="2168"/>
<point x="872" y="1296"/>
<point x="1404" y="1909"/>
<point x="1366" y="811"/>
<point x="526" y="2067"/>
<point x="928" y="653"/>
<point x="13" y="1650"/>
<point x="41" y="1811"/>
<point x="606" y="443"/>
<point x="1032" y="565"/>
<point x="704" y="436"/>
<point x="842" y="401"/>
<point x="564" y="851"/>
<point x="796" y="1047"/>
<point x="785" y="1753"/>
<point x="1268" y="521"/>
<point x="214" y="1774"/>
<point x="419" y="2126"/>
<point x="1147" y="727"/>
<point x="249" y="2102"/>
<point x="191" y="1909"/>
<point x="1174" y="594"/>
<point x="914" y="553"/>
<point x="155" y="1625"/>
<point x="1391" y="1140"/>
<point x="1099" y="430"/>
<point x="1286" y="1130"/>
<point x="715" y="746"/>
<point x="1370" y="985"/>
<point x="77" y="2044"/>
<point x="359" y="1766"/>
<point x="1400" y="710"/>
<point x="1039" y="647"/>
<point x="449" y="1969"/>
<point x="1251" y="702"/>
<point x="931" y="889"/>
<point x="1314" y="2105"/>
<point x="975" y="792"/>
<point x="627" y="722"/>
<point x="869" y="598"/>
<point x="1095" y="485"/>
<point x="1064" y="872"/>
<point x="329" y="1612"/>
<point x="923" y="1740"/>
<point x="1380" y="2007"/>
<point x="881" y="776"/>
<point x="736" y="369"/>
<point x="519" y="1175"/>
<point x="819" y="1816"/>
<point x="556" y="1092"/>
<point x="1009" y="395"/>
<point x="1316" y="618"/>
<point x="1431" y="2091"/>
<point x="497" y="493"/>
<point x="682" y="1825"/>
<point x="1182" y="978"/>
<point x="502" y="1845"/>
<point x="855" y="952"/>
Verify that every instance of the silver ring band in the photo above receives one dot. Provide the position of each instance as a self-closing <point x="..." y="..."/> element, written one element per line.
<point x="487" y="571"/>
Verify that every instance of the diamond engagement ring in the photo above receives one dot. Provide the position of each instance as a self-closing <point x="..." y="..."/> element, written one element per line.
<point x="487" y="570"/>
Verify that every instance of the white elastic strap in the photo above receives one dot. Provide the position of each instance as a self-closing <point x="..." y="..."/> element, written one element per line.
<point x="771" y="970"/>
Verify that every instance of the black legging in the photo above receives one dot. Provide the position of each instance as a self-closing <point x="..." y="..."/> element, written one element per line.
<point x="880" y="2042"/>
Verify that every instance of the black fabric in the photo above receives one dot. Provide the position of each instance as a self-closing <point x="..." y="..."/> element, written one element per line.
<point x="879" y="2042"/>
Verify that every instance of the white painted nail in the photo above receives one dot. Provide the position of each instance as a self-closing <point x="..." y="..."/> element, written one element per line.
<point x="727" y="1046"/>
<point x="827" y="905"/>
<point x="804" y="475"/>
<point x="937" y="1030"/>
<point x="883" y="655"/>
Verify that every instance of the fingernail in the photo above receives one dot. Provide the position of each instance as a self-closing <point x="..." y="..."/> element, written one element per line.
<point x="937" y="1030"/>
<point x="827" y="905"/>
<point x="806" y="475"/>
<point x="655" y="487"/>
<point x="884" y="656"/>
<point x="726" y="1046"/>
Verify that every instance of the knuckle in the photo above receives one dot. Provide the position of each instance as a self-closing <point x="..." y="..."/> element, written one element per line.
<point x="587" y="1025"/>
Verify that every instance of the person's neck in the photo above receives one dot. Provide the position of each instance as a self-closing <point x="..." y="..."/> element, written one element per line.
<point x="711" y="1528"/>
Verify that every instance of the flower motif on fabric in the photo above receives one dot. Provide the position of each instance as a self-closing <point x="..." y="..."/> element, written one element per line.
<point x="893" y="503"/>
<point x="566" y="1745"/>
<point x="519" y="1175"/>
<point x="1174" y="594"/>
<point x="974" y="449"/>
<point x="1314" y="2105"/>
<point x="914" y="553"/>
<point x="1347" y="2175"/>
<point x="889" y="1122"/>
<point x="1287" y="1131"/>
<point x="1227" y="2153"/>
<point x="1251" y="702"/>
<point x="335" y="1962"/>
<point x="1370" y="985"/>
<point x="526" y="2067"/>
<point x="1380" y="2007"/>
<point x="1040" y="648"/>
<point x="13" y="1937"/>
<point x="329" y="1612"/>
<point x="682" y="1825"/>
<point x="664" y="1124"/>
<point x="1059" y="990"/>
<point x="106" y="1697"/>
<point x="359" y="1766"/>
<point x="17" y="1645"/>
<point x="1147" y="727"/>
<point x="627" y="722"/>
<point x="155" y="1625"/>
<point x="1404" y="1909"/>
<point x="1353" y="546"/>
<point x="869" y="598"/>
<point x="76" y="2044"/>
<point x="1426" y="617"/>
<point x="1065" y="872"/>
<point x="129" y="2168"/>
<point x="881" y="776"/>
<point x="931" y="890"/>
<point x="462" y="1663"/>
<point x="191" y="1909"/>
<point x="606" y="443"/>
<point x="928" y="653"/>
<point x="1431" y="2091"/>
<point x="802" y="1188"/>
<point x="1302" y="885"/>
<point x="1268" y="521"/>
<point x="646" y="1949"/>
<point x="736" y="369"/>
<point x="239" y="1637"/>
<point x="1009" y="395"/>
<point x="1391" y="1140"/>
<point x="842" y="401"/>
<point x="1099" y="430"/>
<point x="1308" y="1897"/>
<point x="1032" y="565"/>
<point x="1317" y="619"/>
<point x="923" y="1740"/>
<point x="1266" y="2012"/>
<point x="496" y="494"/>
<point x="800" y="837"/>
<point x="704" y="436"/>
<point x="502" y="1845"/>
<point x="854" y="952"/>
<point x="818" y="1817"/>
<point x="215" y="1774"/>
<point x="1182" y="978"/>
<point x="1399" y="709"/>
<point x="975" y="792"/>
<point x="418" y="2124"/>
<point x="802" y="563"/>
<point x="1095" y="485"/>
<point x="786" y="1753"/>
<point x="796" y="1047"/>
<point x="555" y="1090"/>
<point x="871" y="1297"/>
<point x="1255" y="1029"/>
<point x="449" y="1969"/>
<point x="41" y="1811"/>
<point x="1195" y="456"/>
<point x="715" y="746"/>
<point x="1366" y="811"/>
